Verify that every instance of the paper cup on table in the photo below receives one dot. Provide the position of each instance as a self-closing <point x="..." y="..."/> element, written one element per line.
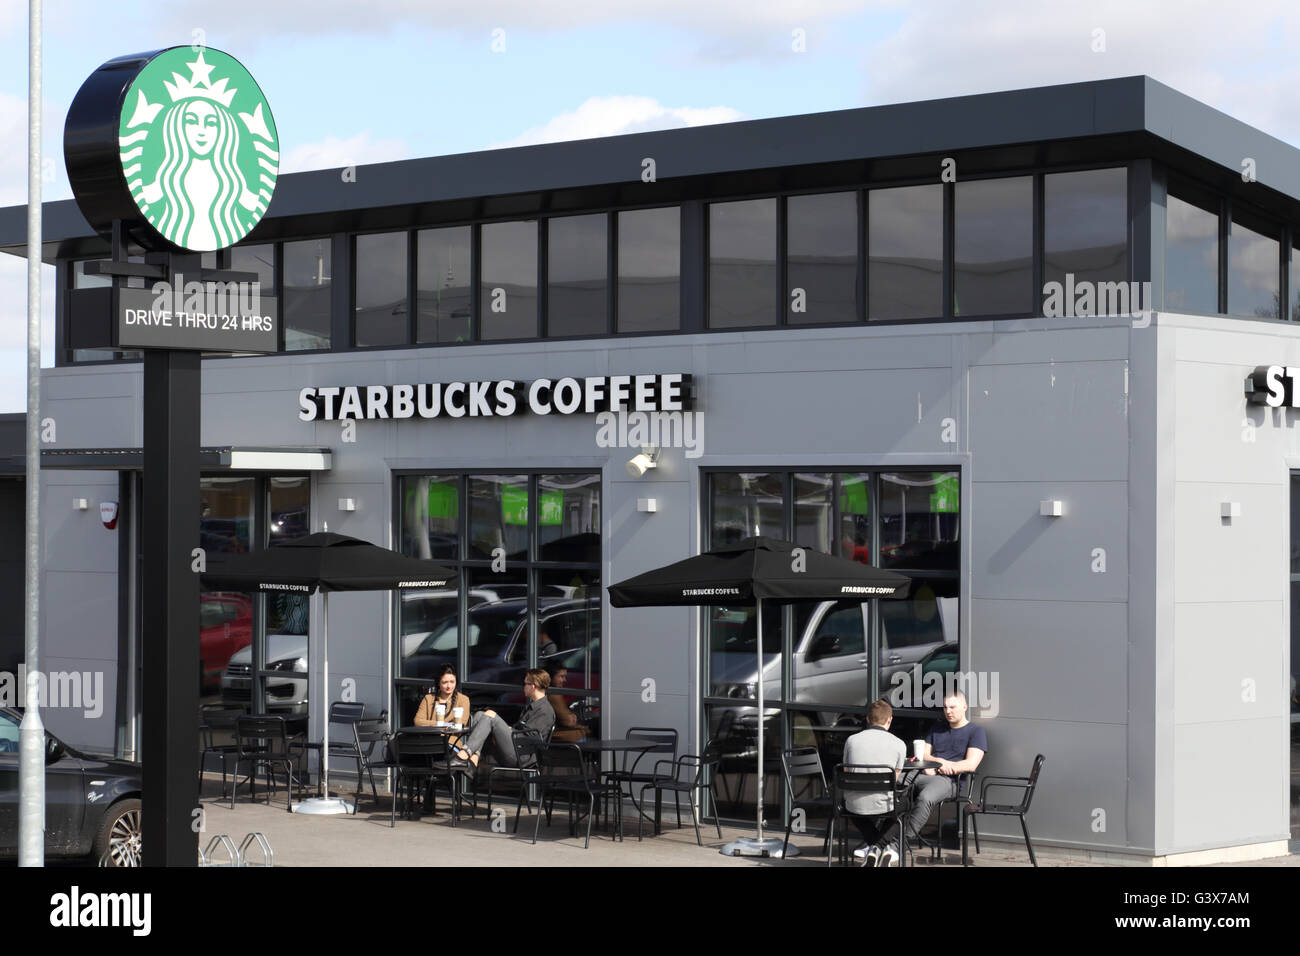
<point x="441" y="711"/>
<point x="457" y="715"/>
<point x="918" y="749"/>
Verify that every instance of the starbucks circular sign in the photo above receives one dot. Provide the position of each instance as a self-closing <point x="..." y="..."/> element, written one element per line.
<point x="194" y="154"/>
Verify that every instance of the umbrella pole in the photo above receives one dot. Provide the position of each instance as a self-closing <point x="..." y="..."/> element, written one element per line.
<point x="761" y="788"/>
<point x="326" y="804"/>
<point x="751" y="846"/>
<point x="325" y="661"/>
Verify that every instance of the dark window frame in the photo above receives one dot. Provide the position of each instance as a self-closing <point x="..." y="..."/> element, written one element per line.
<point x="786" y="705"/>
<point x="464" y="565"/>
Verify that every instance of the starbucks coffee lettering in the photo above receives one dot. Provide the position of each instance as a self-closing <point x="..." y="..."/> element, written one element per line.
<point x="671" y="392"/>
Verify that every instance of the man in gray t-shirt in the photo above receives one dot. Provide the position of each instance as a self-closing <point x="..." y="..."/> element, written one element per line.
<point x="875" y="745"/>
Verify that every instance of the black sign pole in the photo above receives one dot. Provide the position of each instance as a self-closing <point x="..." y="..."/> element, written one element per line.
<point x="170" y="601"/>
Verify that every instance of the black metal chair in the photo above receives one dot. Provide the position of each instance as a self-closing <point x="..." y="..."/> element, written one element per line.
<point x="563" y="770"/>
<point x="264" y="742"/>
<point x="214" y="724"/>
<point x="1026" y="785"/>
<point x="959" y="800"/>
<point x="345" y="742"/>
<point x="861" y="780"/>
<point x="699" y="770"/>
<point x="415" y="760"/>
<point x="631" y="773"/>
<point x="805" y="762"/>
<point x="526" y="746"/>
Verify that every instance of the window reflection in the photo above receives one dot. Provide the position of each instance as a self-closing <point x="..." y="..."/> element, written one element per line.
<point x="918" y="634"/>
<point x="509" y="288"/>
<point x="831" y="663"/>
<point x="381" y="315"/>
<point x="994" y="244"/>
<point x="822" y="258"/>
<point x="499" y="515"/>
<point x="307" y="292"/>
<point x="430" y="517"/>
<point x="1191" y="254"/>
<point x="742" y="264"/>
<point x="733" y="651"/>
<point x="1254" y="264"/>
<point x="442" y="285"/>
<point x="919" y="520"/>
<point x="1085" y="227"/>
<point x="649" y="270"/>
<point x="905" y="252"/>
<point x="577" y="275"/>
<point x="746" y="506"/>
<point x="733" y="736"/>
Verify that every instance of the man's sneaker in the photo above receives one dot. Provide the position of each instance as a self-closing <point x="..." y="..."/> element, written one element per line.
<point x="889" y="857"/>
<point x="861" y="852"/>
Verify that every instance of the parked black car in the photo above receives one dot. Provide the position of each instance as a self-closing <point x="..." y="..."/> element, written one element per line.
<point x="92" y="804"/>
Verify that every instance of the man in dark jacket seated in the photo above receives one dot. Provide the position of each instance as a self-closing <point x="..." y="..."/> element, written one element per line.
<point x="538" y="717"/>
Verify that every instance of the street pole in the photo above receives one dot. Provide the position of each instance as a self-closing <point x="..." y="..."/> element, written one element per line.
<point x="31" y="734"/>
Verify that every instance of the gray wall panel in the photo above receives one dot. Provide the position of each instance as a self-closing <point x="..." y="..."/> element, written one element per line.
<point x="1065" y="422"/>
<point x="901" y="411"/>
<point x="77" y="724"/>
<point x="1055" y="660"/>
<point x="1219" y="647"/>
<point x="1222" y="809"/>
<point x="1219" y="559"/>
<point x="1054" y="340"/>
<point x="1017" y="553"/>
<point x="1084" y="774"/>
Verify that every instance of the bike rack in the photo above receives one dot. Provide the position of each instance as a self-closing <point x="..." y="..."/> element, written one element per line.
<point x="236" y="856"/>
<point x="268" y="855"/>
<point x="221" y="841"/>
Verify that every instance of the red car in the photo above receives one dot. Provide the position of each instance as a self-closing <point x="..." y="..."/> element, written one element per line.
<point x="225" y="626"/>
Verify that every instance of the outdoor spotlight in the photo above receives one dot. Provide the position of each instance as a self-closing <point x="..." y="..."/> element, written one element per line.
<point x="640" y="463"/>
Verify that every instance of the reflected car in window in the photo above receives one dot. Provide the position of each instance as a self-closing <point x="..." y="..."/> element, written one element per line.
<point x="498" y="641"/>
<point x="225" y="626"/>
<point x="831" y="659"/>
<point x="285" y="654"/>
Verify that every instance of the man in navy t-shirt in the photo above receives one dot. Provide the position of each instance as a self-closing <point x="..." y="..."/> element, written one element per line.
<point x="958" y="746"/>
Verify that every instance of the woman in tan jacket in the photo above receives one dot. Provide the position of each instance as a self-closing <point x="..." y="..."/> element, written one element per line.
<point x="446" y="704"/>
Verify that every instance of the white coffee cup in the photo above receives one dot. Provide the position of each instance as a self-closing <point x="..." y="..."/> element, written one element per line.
<point x="918" y="749"/>
<point x="457" y="713"/>
<point x="440" y="710"/>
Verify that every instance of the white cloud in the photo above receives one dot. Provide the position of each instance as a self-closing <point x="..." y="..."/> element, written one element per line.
<point x="334" y="153"/>
<point x="615" y="115"/>
<point x="1235" y="59"/>
<point x="13" y="329"/>
<point x="385" y="16"/>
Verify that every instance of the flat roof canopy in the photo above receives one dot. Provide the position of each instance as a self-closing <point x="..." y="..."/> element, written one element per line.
<point x="225" y="457"/>
<point x="1099" y="120"/>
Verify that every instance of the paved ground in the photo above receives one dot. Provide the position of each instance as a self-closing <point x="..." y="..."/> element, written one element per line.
<point x="366" y="840"/>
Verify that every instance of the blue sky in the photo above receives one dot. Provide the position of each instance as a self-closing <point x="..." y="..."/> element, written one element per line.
<point x="365" y="82"/>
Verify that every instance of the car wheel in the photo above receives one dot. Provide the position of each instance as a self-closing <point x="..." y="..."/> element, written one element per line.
<point x="118" y="842"/>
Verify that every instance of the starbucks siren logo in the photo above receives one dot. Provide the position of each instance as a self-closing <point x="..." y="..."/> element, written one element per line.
<point x="200" y="157"/>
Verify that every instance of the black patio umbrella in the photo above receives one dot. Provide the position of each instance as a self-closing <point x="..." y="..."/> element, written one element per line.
<point x="751" y="571"/>
<point x="326" y="562"/>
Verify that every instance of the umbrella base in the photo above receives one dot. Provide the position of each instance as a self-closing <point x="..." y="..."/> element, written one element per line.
<point x="323" y="806"/>
<point x="752" y="846"/>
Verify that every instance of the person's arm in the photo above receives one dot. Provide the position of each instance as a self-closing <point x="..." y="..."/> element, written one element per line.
<point x="966" y="765"/>
<point x="563" y="716"/>
<point x="424" y="716"/>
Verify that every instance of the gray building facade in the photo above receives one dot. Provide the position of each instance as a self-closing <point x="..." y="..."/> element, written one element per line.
<point x="1135" y="638"/>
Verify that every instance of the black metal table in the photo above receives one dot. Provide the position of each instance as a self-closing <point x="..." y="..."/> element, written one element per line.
<point x="455" y="778"/>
